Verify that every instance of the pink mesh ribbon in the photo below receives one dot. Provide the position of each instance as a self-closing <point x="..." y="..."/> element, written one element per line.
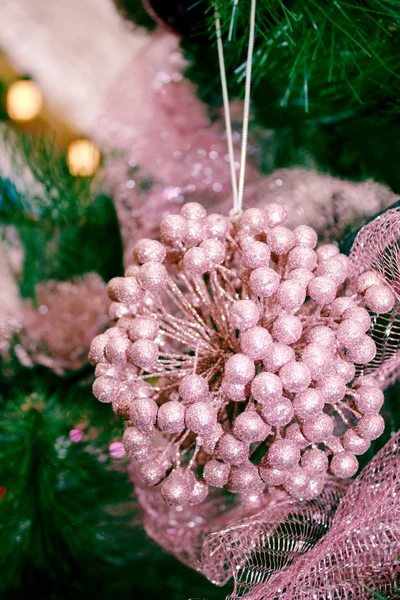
<point x="377" y="248"/>
<point x="338" y="546"/>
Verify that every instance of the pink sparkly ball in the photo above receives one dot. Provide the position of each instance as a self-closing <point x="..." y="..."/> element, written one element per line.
<point x="327" y="251"/>
<point x="302" y="275"/>
<point x="369" y="399"/>
<point x="108" y="370"/>
<point x="194" y="388"/>
<point x="371" y="427"/>
<point x="302" y="257"/>
<point x="239" y="368"/>
<point x="333" y="388"/>
<point x="287" y="329"/>
<point x="149" y="251"/>
<point x="318" y="429"/>
<point x="210" y="438"/>
<point x="334" y="268"/>
<point x="143" y="414"/>
<point x="380" y="299"/>
<point x="245" y="479"/>
<point x="281" y="240"/>
<point x="199" y="493"/>
<point x="254" y="221"/>
<point x="322" y="289"/>
<point x="255" y="254"/>
<point x="340" y="305"/>
<point x="195" y="233"/>
<point x="244" y="314"/>
<point x="173" y="228"/>
<point x="324" y="336"/>
<point x="284" y="454"/>
<point x="134" y="441"/>
<point x="345" y="369"/>
<point x="255" y="341"/>
<point x="264" y="282"/>
<point x="291" y="294"/>
<point x="216" y="473"/>
<point x="275" y="215"/>
<point x="297" y="482"/>
<point x="368" y="279"/>
<point x="278" y="355"/>
<point x="306" y="236"/>
<point x="200" y="417"/>
<point x="278" y="412"/>
<point x="145" y="328"/>
<point x="314" y="461"/>
<point x="344" y="465"/>
<point x="250" y="427"/>
<point x="234" y="391"/>
<point x="122" y="405"/>
<point x="214" y="249"/>
<point x="196" y="262"/>
<point x="193" y="210"/>
<point x="177" y="488"/>
<point x="97" y="349"/>
<point x="171" y="417"/>
<point x="117" y="350"/>
<point x="266" y="386"/>
<point x="143" y="353"/>
<point x="350" y="332"/>
<point x="217" y="226"/>
<point x="362" y="352"/>
<point x="294" y="434"/>
<point x="295" y="376"/>
<point x="124" y="289"/>
<point x="318" y="359"/>
<point x="152" y="472"/>
<point x="105" y="389"/>
<point x="153" y="276"/>
<point x="232" y="450"/>
<point x="271" y="475"/>
<point x="308" y="403"/>
<point x="358" y="315"/>
<point x="354" y="443"/>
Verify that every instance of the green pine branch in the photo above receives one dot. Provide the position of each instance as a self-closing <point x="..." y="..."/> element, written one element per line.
<point x="66" y="226"/>
<point x="55" y="514"/>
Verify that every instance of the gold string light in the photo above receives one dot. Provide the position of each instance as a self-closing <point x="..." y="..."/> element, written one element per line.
<point x="24" y="100"/>
<point x="83" y="158"/>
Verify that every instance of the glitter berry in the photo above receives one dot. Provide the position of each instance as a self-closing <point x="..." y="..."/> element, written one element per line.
<point x="253" y="338"/>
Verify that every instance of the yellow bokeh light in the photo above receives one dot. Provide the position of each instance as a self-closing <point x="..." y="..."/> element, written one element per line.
<point x="24" y="100"/>
<point x="83" y="158"/>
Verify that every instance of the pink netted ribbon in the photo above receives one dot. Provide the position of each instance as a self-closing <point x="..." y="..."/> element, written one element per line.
<point x="341" y="545"/>
<point x="377" y="248"/>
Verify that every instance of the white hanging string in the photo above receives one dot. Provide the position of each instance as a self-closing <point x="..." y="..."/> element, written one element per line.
<point x="237" y="191"/>
<point x="227" y="111"/>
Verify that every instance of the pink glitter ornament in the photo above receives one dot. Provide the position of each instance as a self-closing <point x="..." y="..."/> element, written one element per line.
<point x="242" y="355"/>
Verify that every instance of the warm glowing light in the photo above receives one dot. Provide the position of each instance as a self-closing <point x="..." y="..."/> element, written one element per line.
<point x="24" y="100"/>
<point x="83" y="158"/>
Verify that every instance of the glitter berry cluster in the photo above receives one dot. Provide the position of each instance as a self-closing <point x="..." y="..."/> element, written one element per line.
<point x="250" y="337"/>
